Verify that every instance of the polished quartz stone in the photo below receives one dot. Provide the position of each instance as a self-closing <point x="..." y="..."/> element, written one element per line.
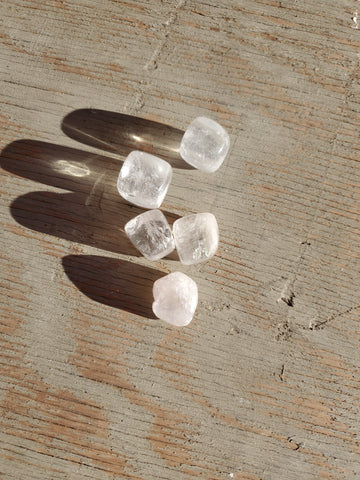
<point x="151" y="234"/>
<point x="196" y="237"/>
<point x="144" y="179"/>
<point x="175" y="299"/>
<point x="205" y="144"/>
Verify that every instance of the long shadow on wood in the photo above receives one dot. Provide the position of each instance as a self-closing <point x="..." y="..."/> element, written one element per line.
<point x="120" y="133"/>
<point x="93" y="213"/>
<point x="58" y="166"/>
<point x="117" y="283"/>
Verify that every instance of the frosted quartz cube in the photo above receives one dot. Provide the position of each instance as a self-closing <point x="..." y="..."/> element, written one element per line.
<point x="205" y="144"/>
<point x="196" y="237"/>
<point x="175" y="299"/>
<point x="151" y="234"/>
<point x="144" y="179"/>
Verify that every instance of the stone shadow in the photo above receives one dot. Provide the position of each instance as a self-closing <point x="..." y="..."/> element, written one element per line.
<point x="91" y="212"/>
<point x="117" y="283"/>
<point x="120" y="133"/>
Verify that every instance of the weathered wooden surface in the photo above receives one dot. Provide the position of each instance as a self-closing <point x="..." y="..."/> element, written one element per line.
<point x="264" y="384"/>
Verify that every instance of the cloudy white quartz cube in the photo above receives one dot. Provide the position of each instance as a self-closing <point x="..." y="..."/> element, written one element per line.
<point x="196" y="237"/>
<point x="151" y="234"/>
<point x="175" y="299"/>
<point x="144" y="179"/>
<point x="205" y="144"/>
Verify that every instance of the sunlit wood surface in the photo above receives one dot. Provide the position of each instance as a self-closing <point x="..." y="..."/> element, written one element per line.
<point x="264" y="383"/>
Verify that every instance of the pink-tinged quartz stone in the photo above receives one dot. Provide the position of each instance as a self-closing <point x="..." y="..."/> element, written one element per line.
<point x="144" y="179"/>
<point x="196" y="237"/>
<point x="175" y="299"/>
<point x="151" y="234"/>
<point x="205" y="144"/>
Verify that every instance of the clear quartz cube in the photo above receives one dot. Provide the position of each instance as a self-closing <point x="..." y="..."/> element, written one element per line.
<point x="175" y="299"/>
<point x="196" y="237"/>
<point x="144" y="179"/>
<point x="205" y="144"/>
<point x="151" y="234"/>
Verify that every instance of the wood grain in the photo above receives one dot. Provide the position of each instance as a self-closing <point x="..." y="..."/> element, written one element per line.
<point x="264" y="383"/>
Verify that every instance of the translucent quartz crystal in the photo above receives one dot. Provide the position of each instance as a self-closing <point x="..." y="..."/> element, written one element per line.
<point x="196" y="237"/>
<point x="175" y="298"/>
<point x="205" y="144"/>
<point x="151" y="234"/>
<point x="144" y="179"/>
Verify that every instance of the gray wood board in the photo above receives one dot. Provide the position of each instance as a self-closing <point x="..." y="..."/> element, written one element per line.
<point x="264" y="383"/>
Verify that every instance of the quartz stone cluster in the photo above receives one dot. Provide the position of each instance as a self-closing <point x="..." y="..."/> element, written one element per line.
<point x="144" y="180"/>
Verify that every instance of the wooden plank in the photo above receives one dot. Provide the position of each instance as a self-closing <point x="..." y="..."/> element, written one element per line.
<point x="263" y="384"/>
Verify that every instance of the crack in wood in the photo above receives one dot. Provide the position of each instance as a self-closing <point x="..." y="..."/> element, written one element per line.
<point x="320" y="325"/>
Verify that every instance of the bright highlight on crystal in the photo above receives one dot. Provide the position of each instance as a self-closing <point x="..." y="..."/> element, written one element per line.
<point x="151" y="234"/>
<point x="196" y="237"/>
<point x="205" y="144"/>
<point x="144" y="179"/>
<point x="175" y="299"/>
